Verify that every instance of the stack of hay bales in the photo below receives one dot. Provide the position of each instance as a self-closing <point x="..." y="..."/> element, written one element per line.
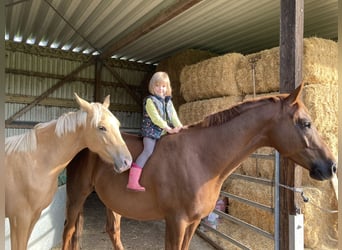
<point x="209" y="87"/>
<point x="220" y="82"/>
<point x="174" y="65"/>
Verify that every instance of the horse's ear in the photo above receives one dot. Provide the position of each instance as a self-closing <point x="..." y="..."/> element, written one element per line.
<point x="293" y="97"/>
<point x="106" y="101"/>
<point x="83" y="103"/>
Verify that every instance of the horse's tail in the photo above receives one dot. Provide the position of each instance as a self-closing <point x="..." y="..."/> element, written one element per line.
<point x="76" y="237"/>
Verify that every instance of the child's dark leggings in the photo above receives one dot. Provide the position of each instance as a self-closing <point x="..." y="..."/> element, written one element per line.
<point x="149" y="145"/>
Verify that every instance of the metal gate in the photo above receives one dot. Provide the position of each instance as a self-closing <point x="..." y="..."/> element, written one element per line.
<point x="274" y="209"/>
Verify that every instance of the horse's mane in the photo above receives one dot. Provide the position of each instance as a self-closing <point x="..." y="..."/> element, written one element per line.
<point x="66" y="123"/>
<point x="234" y="111"/>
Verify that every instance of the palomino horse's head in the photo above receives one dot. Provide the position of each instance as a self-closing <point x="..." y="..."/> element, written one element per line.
<point x="296" y="138"/>
<point x="103" y="134"/>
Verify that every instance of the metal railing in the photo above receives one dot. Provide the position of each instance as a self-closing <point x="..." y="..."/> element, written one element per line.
<point x="275" y="210"/>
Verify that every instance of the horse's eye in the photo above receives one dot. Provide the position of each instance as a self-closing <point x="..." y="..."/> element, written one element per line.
<point x="102" y="128"/>
<point x="306" y="124"/>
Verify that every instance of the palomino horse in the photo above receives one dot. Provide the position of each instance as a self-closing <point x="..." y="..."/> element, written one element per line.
<point x="183" y="177"/>
<point x="34" y="160"/>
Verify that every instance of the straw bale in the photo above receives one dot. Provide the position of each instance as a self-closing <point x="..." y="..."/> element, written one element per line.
<point x="193" y="112"/>
<point x="320" y="226"/>
<point x="174" y="64"/>
<point x="258" y="95"/>
<point x="319" y="66"/>
<point x="210" y="78"/>
<point x="320" y="61"/>
<point x="266" y="72"/>
<point x="254" y="192"/>
<point x="322" y="103"/>
<point x="258" y="167"/>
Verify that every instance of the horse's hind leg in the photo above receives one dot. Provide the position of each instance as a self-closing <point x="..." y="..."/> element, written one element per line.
<point x="113" y="228"/>
<point x="189" y="233"/>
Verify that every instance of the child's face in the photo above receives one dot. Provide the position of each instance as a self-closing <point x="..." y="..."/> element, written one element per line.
<point x="160" y="89"/>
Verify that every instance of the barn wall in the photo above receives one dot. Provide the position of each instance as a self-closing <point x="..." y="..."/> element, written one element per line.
<point x="31" y="70"/>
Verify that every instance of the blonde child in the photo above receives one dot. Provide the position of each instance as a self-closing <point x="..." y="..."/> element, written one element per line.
<point x="159" y="118"/>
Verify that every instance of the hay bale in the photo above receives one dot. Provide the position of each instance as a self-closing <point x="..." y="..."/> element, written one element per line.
<point x="173" y="66"/>
<point x="319" y="66"/>
<point x="192" y="112"/>
<point x="266" y="72"/>
<point x="322" y="103"/>
<point x="211" y="78"/>
<point x="254" y="192"/>
<point x="320" y="61"/>
<point x="259" y="167"/>
<point x="320" y="226"/>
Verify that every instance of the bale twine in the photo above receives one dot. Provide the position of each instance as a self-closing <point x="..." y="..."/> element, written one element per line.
<point x="193" y="112"/>
<point x="211" y="78"/>
<point x="319" y="66"/>
<point x="173" y="66"/>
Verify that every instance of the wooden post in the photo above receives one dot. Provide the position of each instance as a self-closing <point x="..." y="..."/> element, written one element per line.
<point x="291" y="56"/>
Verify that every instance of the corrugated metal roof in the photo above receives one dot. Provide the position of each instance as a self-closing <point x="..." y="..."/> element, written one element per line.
<point x="220" y="26"/>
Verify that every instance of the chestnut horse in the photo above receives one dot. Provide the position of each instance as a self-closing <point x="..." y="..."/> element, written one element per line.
<point x="183" y="177"/>
<point x="34" y="160"/>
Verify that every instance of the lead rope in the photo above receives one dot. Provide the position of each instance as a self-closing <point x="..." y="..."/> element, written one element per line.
<point x="306" y="199"/>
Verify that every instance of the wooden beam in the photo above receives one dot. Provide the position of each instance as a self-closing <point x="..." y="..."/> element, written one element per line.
<point x="47" y="92"/>
<point x="151" y="24"/>
<point x="67" y="103"/>
<point x="291" y="57"/>
<point x="124" y="84"/>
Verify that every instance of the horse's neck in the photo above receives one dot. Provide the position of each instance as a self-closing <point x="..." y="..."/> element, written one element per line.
<point x="235" y="140"/>
<point x="58" y="150"/>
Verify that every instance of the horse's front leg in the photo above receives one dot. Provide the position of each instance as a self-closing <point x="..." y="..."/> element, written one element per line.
<point x="73" y="225"/>
<point x="189" y="233"/>
<point x="174" y="233"/>
<point x="21" y="226"/>
<point x="113" y="228"/>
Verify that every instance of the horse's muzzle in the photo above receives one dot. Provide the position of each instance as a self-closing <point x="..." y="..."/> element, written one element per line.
<point x="323" y="172"/>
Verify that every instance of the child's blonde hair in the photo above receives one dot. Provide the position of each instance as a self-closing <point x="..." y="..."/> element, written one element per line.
<point x="157" y="78"/>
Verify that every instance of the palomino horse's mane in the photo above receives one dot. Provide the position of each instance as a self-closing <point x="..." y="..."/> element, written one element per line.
<point x="224" y="116"/>
<point x="66" y="123"/>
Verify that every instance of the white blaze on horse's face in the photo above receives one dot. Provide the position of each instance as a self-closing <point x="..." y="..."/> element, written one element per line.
<point x="107" y="140"/>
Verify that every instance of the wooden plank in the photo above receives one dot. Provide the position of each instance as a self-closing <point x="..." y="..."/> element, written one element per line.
<point x="291" y="56"/>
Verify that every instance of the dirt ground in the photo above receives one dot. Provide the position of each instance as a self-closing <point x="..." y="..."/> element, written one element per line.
<point x="135" y="235"/>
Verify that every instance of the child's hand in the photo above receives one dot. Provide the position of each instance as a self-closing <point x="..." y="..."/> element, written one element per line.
<point x="173" y="130"/>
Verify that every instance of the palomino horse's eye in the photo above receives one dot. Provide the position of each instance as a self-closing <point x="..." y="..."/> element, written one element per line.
<point x="102" y="128"/>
